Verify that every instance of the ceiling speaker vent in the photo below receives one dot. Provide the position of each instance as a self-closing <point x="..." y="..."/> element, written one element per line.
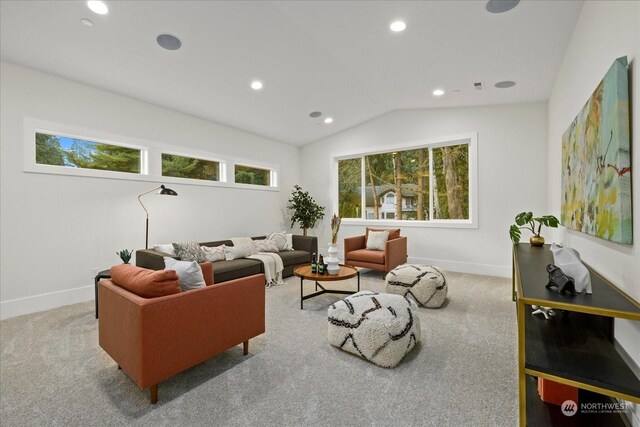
<point x="478" y="85"/>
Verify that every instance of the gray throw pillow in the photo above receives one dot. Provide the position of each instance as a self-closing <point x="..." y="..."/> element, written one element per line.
<point x="189" y="273"/>
<point x="189" y="251"/>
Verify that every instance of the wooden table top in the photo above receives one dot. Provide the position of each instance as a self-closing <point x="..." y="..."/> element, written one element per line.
<point x="346" y="272"/>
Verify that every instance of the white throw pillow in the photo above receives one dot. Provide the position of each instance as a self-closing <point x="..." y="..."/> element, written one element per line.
<point x="284" y="240"/>
<point x="189" y="273"/>
<point x="265" y="245"/>
<point x="237" y="241"/>
<point x="241" y="251"/>
<point x="166" y="248"/>
<point x="215" y="253"/>
<point x="377" y="240"/>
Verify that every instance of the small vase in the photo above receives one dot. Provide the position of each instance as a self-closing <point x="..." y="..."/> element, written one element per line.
<point x="332" y="260"/>
<point x="536" y="240"/>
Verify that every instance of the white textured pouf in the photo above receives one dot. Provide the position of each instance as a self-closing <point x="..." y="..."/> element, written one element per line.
<point x="380" y="328"/>
<point x="425" y="283"/>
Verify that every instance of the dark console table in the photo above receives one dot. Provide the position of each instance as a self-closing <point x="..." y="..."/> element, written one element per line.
<point x="574" y="348"/>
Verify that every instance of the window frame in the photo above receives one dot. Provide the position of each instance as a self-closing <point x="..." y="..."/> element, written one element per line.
<point x="150" y="154"/>
<point x="467" y="138"/>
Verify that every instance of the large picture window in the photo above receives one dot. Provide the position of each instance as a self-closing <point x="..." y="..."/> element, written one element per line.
<point x="428" y="183"/>
<point x="56" y="150"/>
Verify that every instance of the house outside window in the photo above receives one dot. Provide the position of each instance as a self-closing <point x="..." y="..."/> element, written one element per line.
<point x="426" y="184"/>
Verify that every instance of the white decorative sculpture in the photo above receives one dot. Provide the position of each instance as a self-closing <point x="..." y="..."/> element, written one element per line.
<point x="547" y="312"/>
<point x="568" y="259"/>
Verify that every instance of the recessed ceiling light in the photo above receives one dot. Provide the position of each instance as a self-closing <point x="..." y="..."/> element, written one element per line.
<point x="328" y="120"/>
<point x="98" y="7"/>
<point x="397" y="26"/>
<point x="438" y="92"/>
<point x="87" y="22"/>
<point x="505" y="84"/>
<point x="501" y="6"/>
<point x="256" y="85"/>
<point x="169" y="42"/>
<point x="315" y="114"/>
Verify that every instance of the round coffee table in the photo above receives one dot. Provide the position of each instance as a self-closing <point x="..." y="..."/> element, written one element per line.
<point x="345" y="272"/>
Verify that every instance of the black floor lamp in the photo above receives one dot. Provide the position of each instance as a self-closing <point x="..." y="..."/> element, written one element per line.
<point x="164" y="191"/>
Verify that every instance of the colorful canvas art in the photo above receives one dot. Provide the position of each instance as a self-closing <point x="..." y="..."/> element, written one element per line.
<point x="596" y="162"/>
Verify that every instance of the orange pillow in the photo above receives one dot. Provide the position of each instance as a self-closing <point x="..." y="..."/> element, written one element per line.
<point x="394" y="233"/>
<point x="145" y="283"/>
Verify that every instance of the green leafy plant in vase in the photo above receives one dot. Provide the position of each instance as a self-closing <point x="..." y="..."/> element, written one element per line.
<point x="304" y="209"/>
<point x="125" y="255"/>
<point x="526" y="221"/>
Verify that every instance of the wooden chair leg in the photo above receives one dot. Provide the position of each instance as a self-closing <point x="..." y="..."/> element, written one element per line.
<point x="153" y="394"/>
<point x="245" y="346"/>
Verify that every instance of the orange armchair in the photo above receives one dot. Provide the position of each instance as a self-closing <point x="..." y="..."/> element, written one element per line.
<point x="152" y="339"/>
<point x="357" y="254"/>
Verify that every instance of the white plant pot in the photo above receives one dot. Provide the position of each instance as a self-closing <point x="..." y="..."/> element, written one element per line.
<point x="332" y="260"/>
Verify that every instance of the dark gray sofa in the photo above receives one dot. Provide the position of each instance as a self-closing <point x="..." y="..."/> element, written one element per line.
<point x="223" y="271"/>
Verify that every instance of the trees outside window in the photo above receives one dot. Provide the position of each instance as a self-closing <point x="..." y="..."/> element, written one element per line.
<point x="79" y="153"/>
<point x="397" y="185"/>
<point x="251" y="175"/>
<point x="190" y="167"/>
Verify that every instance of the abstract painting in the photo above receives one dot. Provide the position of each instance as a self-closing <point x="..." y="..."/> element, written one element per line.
<point x="596" y="162"/>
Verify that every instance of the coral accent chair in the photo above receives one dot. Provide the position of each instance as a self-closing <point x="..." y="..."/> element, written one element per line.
<point x="152" y="339"/>
<point x="394" y="254"/>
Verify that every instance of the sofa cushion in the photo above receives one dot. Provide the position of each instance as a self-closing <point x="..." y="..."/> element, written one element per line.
<point x="295" y="257"/>
<point x="265" y="245"/>
<point x="234" y="269"/>
<point x="241" y="250"/>
<point x="394" y="233"/>
<point x="215" y="253"/>
<point x="364" y="255"/>
<point x="189" y="251"/>
<point x="189" y="273"/>
<point x="145" y="283"/>
<point x="283" y="240"/>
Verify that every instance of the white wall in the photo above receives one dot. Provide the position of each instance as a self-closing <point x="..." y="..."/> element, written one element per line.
<point x="511" y="177"/>
<point x="56" y="230"/>
<point x="604" y="31"/>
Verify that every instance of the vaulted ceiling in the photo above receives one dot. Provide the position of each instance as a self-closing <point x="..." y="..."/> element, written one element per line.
<point x="336" y="57"/>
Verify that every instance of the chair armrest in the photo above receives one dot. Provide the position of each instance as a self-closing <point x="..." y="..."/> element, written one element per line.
<point x="305" y="243"/>
<point x="395" y="253"/>
<point x="151" y="259"/>
<point x="353" y="244"/>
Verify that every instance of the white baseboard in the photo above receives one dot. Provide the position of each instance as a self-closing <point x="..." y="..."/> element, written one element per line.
<point x="466" y="267"/>
<point x="35" y="303"/>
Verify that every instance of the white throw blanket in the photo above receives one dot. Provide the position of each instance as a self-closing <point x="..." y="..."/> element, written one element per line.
<point x="272" y="267"/>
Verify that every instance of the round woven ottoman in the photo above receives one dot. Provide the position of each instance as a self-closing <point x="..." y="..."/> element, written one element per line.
<point x="425" y="283"/>
<point x="380" y="328"/>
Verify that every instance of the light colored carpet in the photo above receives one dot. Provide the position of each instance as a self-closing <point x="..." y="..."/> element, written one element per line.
<point x="52" y="371"/>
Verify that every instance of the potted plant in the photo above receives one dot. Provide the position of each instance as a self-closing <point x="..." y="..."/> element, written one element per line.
<point x="125" y="255"/>
<point x="526" y="220"/>
<point x="304" y="210"/>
